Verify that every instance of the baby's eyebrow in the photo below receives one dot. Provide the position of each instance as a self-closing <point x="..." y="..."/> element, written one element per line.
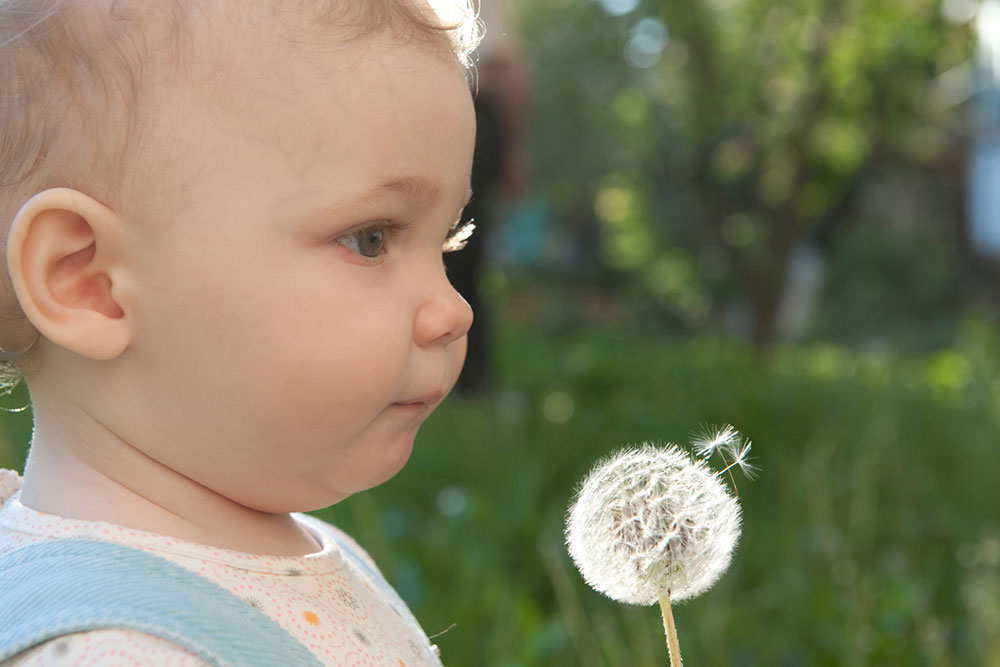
<point x="413" y="186"/>
<point x="419" y="188"/>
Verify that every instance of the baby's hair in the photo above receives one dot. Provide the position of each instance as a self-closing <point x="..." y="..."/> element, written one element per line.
<point x="71" y="74"/>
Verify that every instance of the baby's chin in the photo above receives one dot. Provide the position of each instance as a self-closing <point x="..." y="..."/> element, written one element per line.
<point x="339" y="487"/>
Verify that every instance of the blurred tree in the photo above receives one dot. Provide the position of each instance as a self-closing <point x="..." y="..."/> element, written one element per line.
<point x="717" y="137"/>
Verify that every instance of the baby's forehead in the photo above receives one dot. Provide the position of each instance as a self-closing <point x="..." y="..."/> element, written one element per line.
<point x="76" y="74"/>
<point x="127" y="33"/>
<point x="321" y="109"/>
<point x="441" y="23"/>
<point x="253" y="71"/>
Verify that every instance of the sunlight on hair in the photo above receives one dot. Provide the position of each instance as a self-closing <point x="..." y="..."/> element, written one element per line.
<point x="452" y="12"/>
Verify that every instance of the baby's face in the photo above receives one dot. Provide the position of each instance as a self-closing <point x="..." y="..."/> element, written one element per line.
<point x="295" y="325"/>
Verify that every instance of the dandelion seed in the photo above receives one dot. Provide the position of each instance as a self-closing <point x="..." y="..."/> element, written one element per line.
<point x="732" y="449"/>
<point x="652" y="524"/>
<point x="741" y="460"/>
<point x="711" y="441"/>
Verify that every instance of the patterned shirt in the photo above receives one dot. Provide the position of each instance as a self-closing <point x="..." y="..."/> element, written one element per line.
<point x="337" y="605"/>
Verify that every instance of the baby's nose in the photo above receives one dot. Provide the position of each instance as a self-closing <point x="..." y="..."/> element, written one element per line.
<point x="443" y="317"/>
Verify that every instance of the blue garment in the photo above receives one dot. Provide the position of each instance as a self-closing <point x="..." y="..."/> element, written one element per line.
<point x="74" y="585"/>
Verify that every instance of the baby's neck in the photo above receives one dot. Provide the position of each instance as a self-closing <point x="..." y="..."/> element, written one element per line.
<point x="67" y="481"/>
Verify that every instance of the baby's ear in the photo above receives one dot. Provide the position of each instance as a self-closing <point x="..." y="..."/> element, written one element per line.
<point x="64" y="258"/>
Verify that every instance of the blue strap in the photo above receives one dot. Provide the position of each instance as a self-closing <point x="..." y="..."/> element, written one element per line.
<point x="63" y="586"/>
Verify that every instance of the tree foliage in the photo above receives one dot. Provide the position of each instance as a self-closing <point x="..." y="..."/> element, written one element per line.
<point x="706" y="140"/>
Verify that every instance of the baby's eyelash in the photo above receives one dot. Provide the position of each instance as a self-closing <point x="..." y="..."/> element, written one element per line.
<point x="459" y="235"/>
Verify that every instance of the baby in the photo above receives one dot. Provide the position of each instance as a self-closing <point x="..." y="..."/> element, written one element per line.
<point x="227" y="299"/>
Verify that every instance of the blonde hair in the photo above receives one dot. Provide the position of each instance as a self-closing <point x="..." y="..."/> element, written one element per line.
<point x="72" y="69"/>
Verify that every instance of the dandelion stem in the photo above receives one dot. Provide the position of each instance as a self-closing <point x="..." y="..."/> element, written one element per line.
<point x="728" y="470"/>
<point x="668" y="627"/>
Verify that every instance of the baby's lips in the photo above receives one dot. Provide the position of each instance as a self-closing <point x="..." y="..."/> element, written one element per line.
<point x="431" y="398"/>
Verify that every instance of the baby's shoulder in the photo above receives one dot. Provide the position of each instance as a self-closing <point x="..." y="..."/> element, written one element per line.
<point x="99" y="647"/>
<point x="347" y="544"/>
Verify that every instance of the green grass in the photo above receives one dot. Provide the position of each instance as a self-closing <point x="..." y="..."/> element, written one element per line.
<point x="870" y="538"/>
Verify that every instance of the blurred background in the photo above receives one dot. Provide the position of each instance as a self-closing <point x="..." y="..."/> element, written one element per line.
<point x="780" y="215"/>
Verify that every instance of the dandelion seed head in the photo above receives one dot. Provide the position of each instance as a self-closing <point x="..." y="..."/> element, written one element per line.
<point x="651" y="520"/>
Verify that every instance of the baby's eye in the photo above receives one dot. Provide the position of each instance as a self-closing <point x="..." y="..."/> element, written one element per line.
<point x="368" y="241"/>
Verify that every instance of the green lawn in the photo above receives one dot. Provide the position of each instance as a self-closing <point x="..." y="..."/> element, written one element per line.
<point x="872" y="536"/>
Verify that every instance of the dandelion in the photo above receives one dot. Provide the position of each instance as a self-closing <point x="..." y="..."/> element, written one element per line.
<point x="653" y="524"/>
